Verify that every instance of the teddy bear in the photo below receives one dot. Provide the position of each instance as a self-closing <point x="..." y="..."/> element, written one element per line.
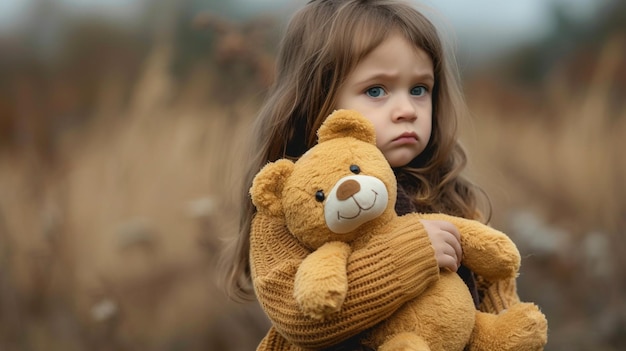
<point x="339" y="195"/>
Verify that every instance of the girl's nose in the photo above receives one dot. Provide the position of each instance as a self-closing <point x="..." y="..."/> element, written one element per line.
<point x="404" y="109"/>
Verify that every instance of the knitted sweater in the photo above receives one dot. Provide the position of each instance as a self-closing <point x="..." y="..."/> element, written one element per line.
<point x="497" y="297"/>
<point x="381" y="277"/>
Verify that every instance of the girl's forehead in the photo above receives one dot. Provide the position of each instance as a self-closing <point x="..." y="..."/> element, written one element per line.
<point x="393" y="60"/>
<point x="391" y="48"/>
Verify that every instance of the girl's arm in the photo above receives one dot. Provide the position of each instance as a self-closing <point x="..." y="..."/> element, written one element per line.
<point x="392" y="269"/>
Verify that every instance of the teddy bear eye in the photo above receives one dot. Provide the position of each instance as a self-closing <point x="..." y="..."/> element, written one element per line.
<point x="319" y="196"/>
<point x="355" y="169"/>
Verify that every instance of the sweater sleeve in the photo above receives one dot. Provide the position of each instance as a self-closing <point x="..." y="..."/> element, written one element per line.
<point x="389" y="271"/>
<point x="498" y="296"/>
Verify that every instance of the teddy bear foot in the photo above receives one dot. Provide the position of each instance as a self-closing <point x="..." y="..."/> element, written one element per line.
<point x="405" y="342"/>
<point x="520" y="328"/>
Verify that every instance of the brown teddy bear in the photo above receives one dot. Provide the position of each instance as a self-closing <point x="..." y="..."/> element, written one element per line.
<point x="341" y="194"/>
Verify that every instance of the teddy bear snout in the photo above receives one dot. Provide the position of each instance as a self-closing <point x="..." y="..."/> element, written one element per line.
<point x="353" y="201"/>
<point x="347" y="189"/>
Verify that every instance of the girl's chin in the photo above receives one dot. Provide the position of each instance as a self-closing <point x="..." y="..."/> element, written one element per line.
<point x="401" y="157"/>
<point x="396" y="162"/>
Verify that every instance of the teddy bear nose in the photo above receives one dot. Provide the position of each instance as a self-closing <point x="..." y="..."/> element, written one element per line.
<point x="347" y="189"/>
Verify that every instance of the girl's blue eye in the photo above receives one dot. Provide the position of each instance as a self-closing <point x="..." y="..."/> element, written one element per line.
<point x="375" y="92"/>
<point x="418" y="91"/>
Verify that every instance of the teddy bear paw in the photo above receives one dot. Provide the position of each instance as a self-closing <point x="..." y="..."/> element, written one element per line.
<point x="322" y="306"/>
<point x="522" y="327"/>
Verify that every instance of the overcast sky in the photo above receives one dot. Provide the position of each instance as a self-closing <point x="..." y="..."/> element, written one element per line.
<point x="480" y="26"/>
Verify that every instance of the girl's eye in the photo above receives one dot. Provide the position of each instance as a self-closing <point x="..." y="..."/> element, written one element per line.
<point x="418" y="91"/>
<point x="319" y="196"/>
<point x="375" y="92"/>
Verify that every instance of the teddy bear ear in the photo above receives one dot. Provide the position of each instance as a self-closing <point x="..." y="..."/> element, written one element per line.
<point x="347" y="123"/>
<point x="267" y="186"/>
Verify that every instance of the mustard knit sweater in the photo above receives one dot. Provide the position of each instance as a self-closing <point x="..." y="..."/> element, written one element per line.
<point x="391" y="270"/>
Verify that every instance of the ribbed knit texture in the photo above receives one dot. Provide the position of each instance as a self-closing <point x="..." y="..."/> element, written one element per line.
<point x="498" y="296"/>
<point x="391" y="269"/>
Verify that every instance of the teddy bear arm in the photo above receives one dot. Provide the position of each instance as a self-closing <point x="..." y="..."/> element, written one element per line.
<point x="486" y="251"/>
<point x="489" y="252"/>
<point x="321" y="281"/>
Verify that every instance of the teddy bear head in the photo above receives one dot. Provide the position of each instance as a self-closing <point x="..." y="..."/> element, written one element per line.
<point x="340" y="189"/>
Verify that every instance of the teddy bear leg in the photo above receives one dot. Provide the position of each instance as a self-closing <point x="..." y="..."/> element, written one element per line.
<point x="522" y="327"/>
<point x="404" y="342"/>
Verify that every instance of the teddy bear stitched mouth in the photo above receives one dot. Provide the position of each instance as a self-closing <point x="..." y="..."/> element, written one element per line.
<point x="361" y="209"/>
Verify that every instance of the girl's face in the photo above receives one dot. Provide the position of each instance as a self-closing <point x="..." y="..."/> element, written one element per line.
<point x="392" y="88"/>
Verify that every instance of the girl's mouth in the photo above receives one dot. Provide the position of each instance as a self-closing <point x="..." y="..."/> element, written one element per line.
<point x="407" y="137"/>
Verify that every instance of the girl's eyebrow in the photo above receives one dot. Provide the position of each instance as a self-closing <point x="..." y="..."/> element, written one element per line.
<point x="426" y="77"/>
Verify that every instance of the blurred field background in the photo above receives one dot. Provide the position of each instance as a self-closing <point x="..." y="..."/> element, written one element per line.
<point x="121" y="137"/>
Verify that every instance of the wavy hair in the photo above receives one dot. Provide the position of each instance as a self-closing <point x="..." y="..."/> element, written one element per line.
<point x="323" y="43"/>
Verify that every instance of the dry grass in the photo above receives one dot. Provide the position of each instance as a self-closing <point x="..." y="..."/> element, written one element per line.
<point x="555" y="170"/>
<point x="566" y="153"/>
<point x="120" y="240"/>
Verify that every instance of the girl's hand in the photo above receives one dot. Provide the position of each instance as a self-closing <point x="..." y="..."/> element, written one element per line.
<point x="446" y="241"/>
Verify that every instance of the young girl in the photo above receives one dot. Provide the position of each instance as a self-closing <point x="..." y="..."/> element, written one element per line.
<point x="384" y="59"/>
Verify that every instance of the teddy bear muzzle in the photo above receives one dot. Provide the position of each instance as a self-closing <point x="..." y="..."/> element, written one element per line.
<point x="353" y="201"/>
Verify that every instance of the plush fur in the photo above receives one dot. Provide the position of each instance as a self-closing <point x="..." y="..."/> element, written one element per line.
<point x="340" y="194"/>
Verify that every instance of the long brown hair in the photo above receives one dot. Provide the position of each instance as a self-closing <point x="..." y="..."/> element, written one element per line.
<point x="323" y="43"/>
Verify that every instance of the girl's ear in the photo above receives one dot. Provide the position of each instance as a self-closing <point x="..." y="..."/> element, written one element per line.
<point x="267" y="186"/>
<point x="347" y="123"/>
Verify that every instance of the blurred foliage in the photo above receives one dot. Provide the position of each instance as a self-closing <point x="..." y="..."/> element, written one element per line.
<point x="55" y="68"/>
<point x="572" y="42"/>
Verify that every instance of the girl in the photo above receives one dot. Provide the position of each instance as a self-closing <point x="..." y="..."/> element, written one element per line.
<point x="384" y="59"/>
